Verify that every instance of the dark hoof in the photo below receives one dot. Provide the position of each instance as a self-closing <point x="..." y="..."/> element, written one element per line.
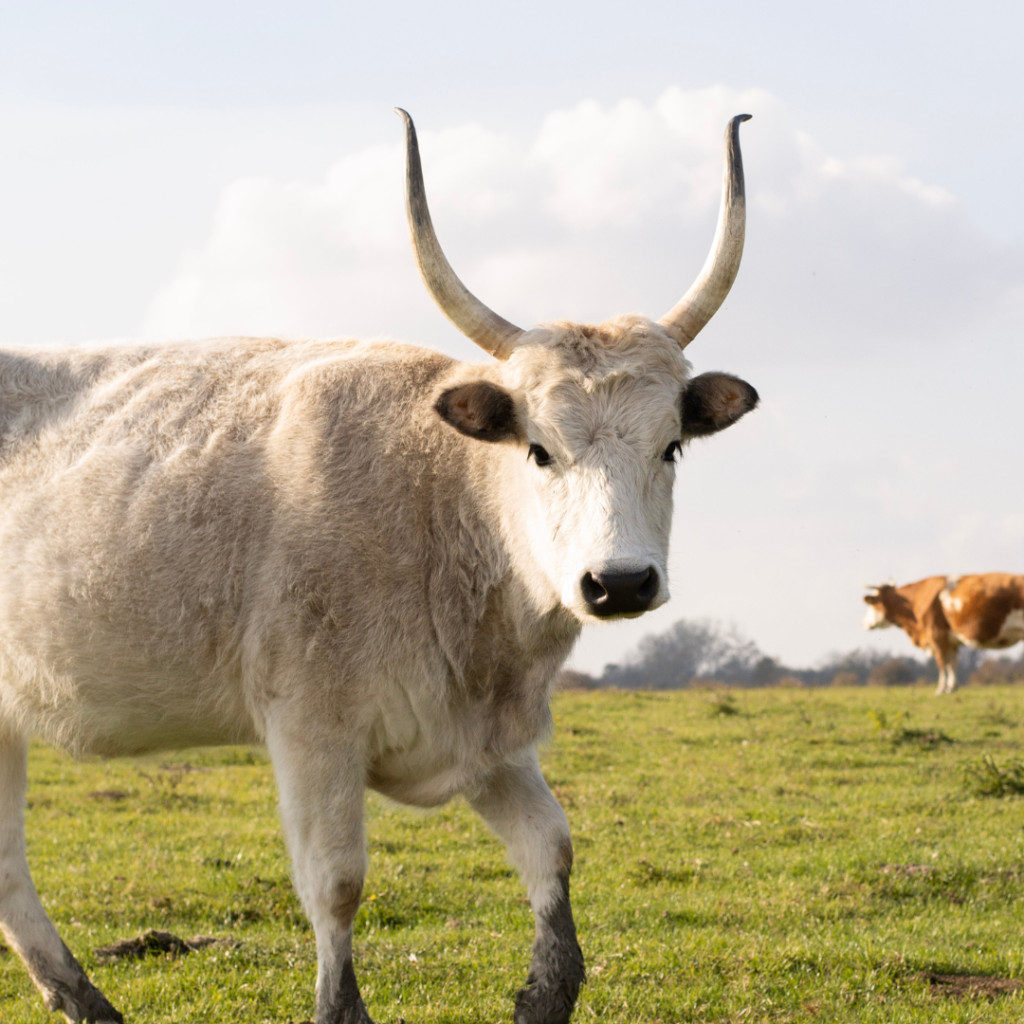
<point x="536" y="1005"/>
<point x="353" y="1013"/>
<point x="86" y="1004"/>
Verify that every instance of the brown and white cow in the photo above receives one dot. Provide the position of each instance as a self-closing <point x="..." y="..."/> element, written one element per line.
<point x="941" y="613"/>
<point x="366" y="556"/>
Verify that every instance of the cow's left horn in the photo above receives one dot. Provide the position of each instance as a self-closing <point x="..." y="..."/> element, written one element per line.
<point x="476" y="321"/>
<point x="692" y="312"/>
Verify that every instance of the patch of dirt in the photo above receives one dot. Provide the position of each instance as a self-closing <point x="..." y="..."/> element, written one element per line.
<point x="970" y="986"/>
<point x="928" y="739"/>
<point x="109" y="794"/>
<point x="908" y="870"/>
<point x="181" y="767"/>
<point x="157" y="943"/>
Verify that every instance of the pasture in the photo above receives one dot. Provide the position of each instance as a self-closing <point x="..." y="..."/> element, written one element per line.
<point x="840" y="855"/>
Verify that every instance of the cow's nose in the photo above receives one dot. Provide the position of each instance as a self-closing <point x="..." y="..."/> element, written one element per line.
<point x="620" y="593"/>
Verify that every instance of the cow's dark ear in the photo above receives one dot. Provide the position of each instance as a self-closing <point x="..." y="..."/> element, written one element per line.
<point x="714" y="401"/>
<point x="478" y="409"/>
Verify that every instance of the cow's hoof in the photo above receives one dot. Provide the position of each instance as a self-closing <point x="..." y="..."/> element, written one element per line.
<point x="87" y="1005"/>
<point x="353" y="1013"/>
<point x="537" y="1005"/>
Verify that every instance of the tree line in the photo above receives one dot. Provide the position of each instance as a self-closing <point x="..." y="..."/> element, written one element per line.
<point x="699" y="653"/>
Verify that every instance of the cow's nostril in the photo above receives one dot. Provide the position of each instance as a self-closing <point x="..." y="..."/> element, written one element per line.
<point x="648" y="589"/>
<point x="620" y="593"/>
<point x="593" y="592"/>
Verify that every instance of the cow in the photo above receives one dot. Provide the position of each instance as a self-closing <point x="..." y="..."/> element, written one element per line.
<point x="366" y="556"/>
<point x="941" y="613"/>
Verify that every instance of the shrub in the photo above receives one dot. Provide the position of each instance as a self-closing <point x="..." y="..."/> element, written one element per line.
<point x="989" y="778"/>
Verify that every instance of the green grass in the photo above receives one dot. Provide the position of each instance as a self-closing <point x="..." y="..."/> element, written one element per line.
<point x="825" y="856"/>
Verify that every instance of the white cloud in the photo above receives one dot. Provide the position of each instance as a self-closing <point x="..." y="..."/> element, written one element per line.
<point x="979" y="541"/>
<point x="607" y="208"/>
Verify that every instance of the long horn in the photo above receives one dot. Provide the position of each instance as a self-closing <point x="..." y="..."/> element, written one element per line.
<point x="690" y="314"/>
<point x="476" y="321"/>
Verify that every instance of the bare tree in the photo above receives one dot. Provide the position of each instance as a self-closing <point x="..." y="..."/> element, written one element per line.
<point x="687" y="650"/>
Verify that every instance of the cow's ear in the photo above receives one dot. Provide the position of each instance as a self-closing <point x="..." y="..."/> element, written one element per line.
<point x="478" y="409"/>
<point x="714" y="401"/>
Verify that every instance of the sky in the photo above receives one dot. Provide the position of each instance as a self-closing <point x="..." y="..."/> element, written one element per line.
<point x="185" y="169"/>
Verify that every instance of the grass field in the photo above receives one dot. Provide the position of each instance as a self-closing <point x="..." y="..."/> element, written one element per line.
<point x="842" y="855"/>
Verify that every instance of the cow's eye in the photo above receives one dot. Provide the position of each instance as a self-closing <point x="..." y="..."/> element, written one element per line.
<point x="539" y="455"/>
<point x="672" y="452"/>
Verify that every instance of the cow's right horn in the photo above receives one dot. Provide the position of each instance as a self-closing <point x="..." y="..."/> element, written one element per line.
<point x="476" y="321"/>
<point x="692" y="312"/>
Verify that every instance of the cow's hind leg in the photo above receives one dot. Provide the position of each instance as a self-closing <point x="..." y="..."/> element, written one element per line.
<point x="949" y="683"/>
<point x="518" y="805"/>
<point x="951" y="677"/>
<point x="57" y="974"/>
<point x="946" y="659"/>
<point x="320" y="783"/>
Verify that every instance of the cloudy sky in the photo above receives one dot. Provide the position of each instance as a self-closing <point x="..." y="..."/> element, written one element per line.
<point x="185" y="169"/>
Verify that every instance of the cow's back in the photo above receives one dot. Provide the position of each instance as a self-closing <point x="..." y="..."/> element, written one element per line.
<point x="985" y="609"/>
<point x="160" y="509"/>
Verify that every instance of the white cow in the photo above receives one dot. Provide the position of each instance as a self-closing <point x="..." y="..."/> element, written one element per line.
<point x="366" y="556"/>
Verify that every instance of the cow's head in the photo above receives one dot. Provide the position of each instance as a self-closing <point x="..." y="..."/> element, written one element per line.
<point x="590" y="420"/>
<point x="878" y="599"/>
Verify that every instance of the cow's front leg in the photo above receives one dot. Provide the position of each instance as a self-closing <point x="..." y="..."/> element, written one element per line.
<point x="320" y="781"/>
<point x="518" y="805"/>
<point x="57" y="974"/>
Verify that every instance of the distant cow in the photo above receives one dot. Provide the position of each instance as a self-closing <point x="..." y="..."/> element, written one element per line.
<point x="367" y="556"/>
<point x="942" y="612"/>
